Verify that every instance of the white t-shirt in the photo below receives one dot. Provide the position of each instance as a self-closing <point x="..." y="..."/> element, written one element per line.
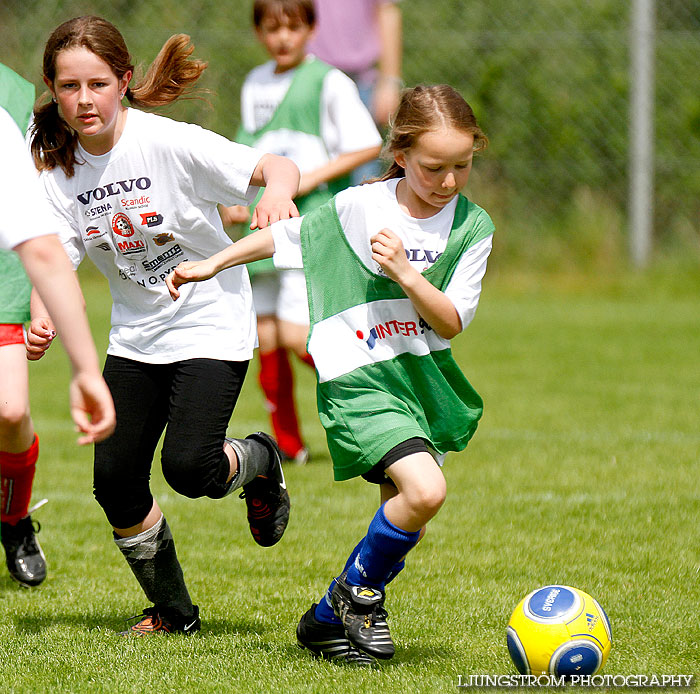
<point x="25" y="214"/>
<point x="367" y="209"/>
<point x="142" y="208"/>
<point x="346" y="124"/>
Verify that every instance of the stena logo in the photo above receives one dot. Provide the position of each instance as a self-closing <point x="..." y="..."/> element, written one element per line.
<point x="115" y="188"/>
<point x="549" y="600"/>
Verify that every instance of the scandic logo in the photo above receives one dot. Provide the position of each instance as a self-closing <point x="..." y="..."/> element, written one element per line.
<point x="392" y="328"/>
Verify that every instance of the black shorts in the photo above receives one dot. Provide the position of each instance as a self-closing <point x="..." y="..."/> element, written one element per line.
<point x="376" y="474"/>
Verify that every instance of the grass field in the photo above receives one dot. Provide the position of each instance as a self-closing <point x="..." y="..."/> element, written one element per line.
<point x="585" y="470"/>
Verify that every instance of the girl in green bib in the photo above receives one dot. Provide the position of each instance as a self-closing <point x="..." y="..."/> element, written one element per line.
<point x="393" y="270"/>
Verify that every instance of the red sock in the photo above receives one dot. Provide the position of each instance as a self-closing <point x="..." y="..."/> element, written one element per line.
<point x="17" y="474"/>
<point x="308" y="360"/>
<point x="277" y="382"/>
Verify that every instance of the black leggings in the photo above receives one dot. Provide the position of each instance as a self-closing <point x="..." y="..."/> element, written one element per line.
<point x="193" y="401"/>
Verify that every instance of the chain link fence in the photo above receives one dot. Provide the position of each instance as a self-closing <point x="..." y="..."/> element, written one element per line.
<point x="549" y="81"/>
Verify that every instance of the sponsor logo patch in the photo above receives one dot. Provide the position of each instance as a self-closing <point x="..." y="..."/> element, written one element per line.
<point x="390" y="328"/>
<point x="163" y="239"/>
<point x="151" y="219"/>
<point x="115" y="188"/>
<point x="121" y="225"/>
<point x="159" y="261"/>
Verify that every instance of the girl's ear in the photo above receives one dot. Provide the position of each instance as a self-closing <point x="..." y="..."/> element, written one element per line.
<point x="400" y="158"/>
<point x="49" y="84"/>
<point x="124" y="81"/>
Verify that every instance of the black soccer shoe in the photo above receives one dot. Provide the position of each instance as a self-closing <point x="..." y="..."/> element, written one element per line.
<point x="267" y="498"/>
<point x="361" y="610"/>
<point x="328" y="641"/>
<point x="25" y="560"/>
<point x="155" y="620"/>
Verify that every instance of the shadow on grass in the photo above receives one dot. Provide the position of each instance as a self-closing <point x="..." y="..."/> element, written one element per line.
<point x="35" y="624"/>
<point x="107" y="623"/>
<point x="9" y="585"/>
<point x="405" y="657"/>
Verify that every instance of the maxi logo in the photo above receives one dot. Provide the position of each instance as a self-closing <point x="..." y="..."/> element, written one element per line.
<point x="129" y="240"/>
<point x="115" y="188"/>
<point x="391" y="328"/>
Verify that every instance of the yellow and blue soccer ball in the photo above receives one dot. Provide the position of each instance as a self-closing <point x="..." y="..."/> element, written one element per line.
<point x="559" y="630"/>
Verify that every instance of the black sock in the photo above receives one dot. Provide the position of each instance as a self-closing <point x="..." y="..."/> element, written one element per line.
<point x="152" y="558"/>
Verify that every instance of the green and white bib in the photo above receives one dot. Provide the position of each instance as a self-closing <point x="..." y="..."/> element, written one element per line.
<point x="294" y="131"/>
<point x="384" y="375"/>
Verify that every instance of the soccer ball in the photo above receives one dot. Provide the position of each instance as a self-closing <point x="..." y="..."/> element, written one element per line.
<point x="559" y="630"/>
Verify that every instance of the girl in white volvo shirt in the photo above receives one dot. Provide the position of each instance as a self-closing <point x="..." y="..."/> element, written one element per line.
<point x="138" y="193"/>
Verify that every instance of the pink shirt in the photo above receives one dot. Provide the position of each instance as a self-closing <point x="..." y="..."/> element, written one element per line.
<point x="346" y="35"/>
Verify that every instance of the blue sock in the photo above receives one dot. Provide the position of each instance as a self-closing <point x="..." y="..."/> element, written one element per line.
<point x="324" y="611"/>
<point x="384" y="547"/>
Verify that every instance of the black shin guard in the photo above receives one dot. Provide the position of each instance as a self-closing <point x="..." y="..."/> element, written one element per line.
<point x="152" y="558"/>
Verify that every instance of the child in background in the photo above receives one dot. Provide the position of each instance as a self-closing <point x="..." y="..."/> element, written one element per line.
<point x="138" y="192"/>
<point x="297" y="106"/>
<point x="394" y="270"/>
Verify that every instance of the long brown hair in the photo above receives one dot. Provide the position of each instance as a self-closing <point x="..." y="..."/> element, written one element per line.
<point x="170" y="75"/>
<point x="424" y="108"/>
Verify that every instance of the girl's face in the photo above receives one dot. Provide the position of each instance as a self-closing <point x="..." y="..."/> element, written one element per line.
<point x="285" y="39"/>
<point x="89" y="97"/>
<point x="437" y="167"/>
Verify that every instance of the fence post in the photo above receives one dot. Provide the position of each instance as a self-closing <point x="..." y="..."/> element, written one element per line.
<point x="641" y="161"/>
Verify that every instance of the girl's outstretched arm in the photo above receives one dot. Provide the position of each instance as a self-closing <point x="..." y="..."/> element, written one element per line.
<point x="255" y="246"/>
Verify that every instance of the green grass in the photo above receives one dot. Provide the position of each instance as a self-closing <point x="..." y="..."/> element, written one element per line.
<point x="584" y="470"/>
